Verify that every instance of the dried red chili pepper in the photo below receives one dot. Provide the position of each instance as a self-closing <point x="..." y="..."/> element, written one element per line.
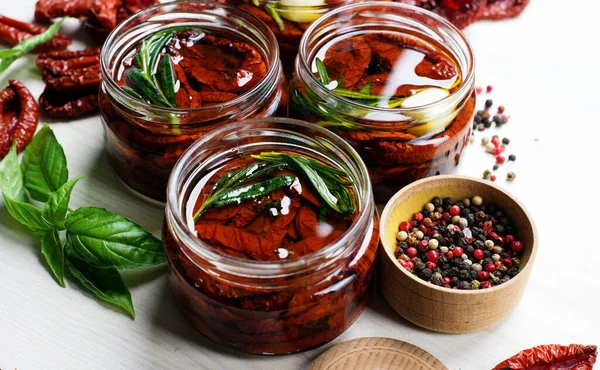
<point x="58" y="62"/>
<point x="501" y="9"/>
<point x="13" y="31"/>
<point x="46" y="10"/>
<point x="18" y="117"/>
<point x="68" y="105"/>
<point x="552" y="357"/>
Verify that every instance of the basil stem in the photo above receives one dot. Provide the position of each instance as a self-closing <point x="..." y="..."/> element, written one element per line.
<point x="27" y="45"/>
<point x="167" y="79"/>
<point x="145" y="87"/>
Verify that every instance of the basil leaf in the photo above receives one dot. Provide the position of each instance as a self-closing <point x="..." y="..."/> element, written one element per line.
<point x="108" y="240"/>
<point x="52" y="249"/>
<point x="11" y="178"/>
<point x="105" y="284"/>
<point x="55" y="209"/>
<point x="44" y="165"/>
<point x="28" y="45"/>
<point x="27" y="215"/>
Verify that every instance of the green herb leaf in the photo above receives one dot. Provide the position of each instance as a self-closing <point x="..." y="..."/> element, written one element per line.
<point x="330" y="183"/>
<point x="52" y="249"/>
<point x="238" y="178"/>
<point x="55" y="209"/>
<point x="108" y="240"/>
<point x="167" y="79"/>
<point x="105" y="284"/>
<point x="322" y="70"/>
<point x="239" y="194"/>
<point x="11" y="178"/>
<point x="132" y="92"/>
<point x="27" y="45"/>
<point x="27" y="215"/>
<point x="366" y="89"/>
<point x="44" y="165"/>
<point x="145" y="87"/>
<point x="271" y="10"/>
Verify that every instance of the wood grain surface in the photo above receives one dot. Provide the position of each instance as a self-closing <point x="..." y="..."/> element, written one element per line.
<point x="543" y="68"/>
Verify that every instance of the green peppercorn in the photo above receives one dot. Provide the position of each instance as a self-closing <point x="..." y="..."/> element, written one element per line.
<point x="475" y="284"/>
<point x="437" y="279"/>
<point x="510" y="176"/>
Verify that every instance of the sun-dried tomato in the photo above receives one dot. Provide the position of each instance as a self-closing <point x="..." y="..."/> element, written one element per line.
<point x="46" y="10"/>
<point x="13" y="31"/>
<point x="501" y="9"/>
<point x="18" y="117"/>
<point x="68" y="104"/>
<point x="72" y="81"/>
<point x="348" y="60"/>
<point x="552" y="357"/>
<point x="461" y="12"/>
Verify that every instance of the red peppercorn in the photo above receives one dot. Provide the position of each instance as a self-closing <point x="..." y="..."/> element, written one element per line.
<point x="478" y="254"/>
<point x="428" y="223"/>
<point x="423" y="246"/>
<point x="433" y="256"/>
<point x="498" y="150"/>
<point x="508" y="262"/>
<point x="495" y="140"/>
<point x="431" y="265"/>
<point x="497" y="264"/>
<point x="509" y="239"/>
<point x="485" y="285"/>
<point x="455" y="210"/>
<point x="405" y="226"/>
<point x="411" y="252"/>
<point x="418" y="217"/>
<point x="447" y="281"/>
<point x="489" y="89"/>
<point x="493" y="178"/>
<point x="447" y="216"/>
<point x="490" y="267"/>
<point x="458" y="251"/>
<point x="410" y="265"/>
<point x="449" y="255"/>
<point x="516" y="246"/>
<point x="501" y="109"/>
<point x="436" y="216"/>
<point x="494" y="236"/>
<point x="402" y="262"/>
<point x="424" y="229"/>
<point x="483" y="275"/>
<point x="500" y="159"/>
<point x="478" y="90"/>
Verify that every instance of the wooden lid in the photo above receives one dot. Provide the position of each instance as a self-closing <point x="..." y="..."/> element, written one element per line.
<point x="376" y="353"/>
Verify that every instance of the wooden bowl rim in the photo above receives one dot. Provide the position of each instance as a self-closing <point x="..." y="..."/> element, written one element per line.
<point x="385" y="215"/>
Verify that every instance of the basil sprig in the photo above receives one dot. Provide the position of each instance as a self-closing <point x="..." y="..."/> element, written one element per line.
<point x="8" y="56"/>
<point x="98" y="242"/>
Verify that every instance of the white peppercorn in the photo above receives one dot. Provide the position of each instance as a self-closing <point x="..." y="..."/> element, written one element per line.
<point x="402" y="235"/>
<point x="477" y="200"/>
<point x="419" y="234"/>
<point x="433" y="244"/>
<point x="429" y="207"/>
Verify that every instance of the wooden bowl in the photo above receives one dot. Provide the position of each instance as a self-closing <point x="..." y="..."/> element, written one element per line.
<point x="438" y="308"/>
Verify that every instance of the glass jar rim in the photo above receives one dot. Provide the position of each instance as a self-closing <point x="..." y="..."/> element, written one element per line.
<point x="272" y="70"/>
<point x="266" y="269"/>
<point x="465" y="86"/>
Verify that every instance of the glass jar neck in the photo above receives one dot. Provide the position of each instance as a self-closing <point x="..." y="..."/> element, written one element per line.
<point x="273" y="134"/>
<point x="209" y="15"/>
<point x="382" y="17"/>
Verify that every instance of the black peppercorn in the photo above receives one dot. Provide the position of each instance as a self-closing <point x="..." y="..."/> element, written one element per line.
<point x="419" y="265"/>
<point x="469" y="250"/>
<point x="473" y="274"/>
<point x="512" y="157"/>
<point x="453" y="271"/>
<point x="478" y="244"/>
<point x="437" y="279"/>
<point x="513" y="272"/>
<point x="462" y="242"/>
<point x="487" y="254"/>
<point x="425" y="274"/>
<point x="456" y="261"/>
<point x="498" y="274"/>
<point x="454" y="281"/>
<point x="489" y="103"/>
<point x="486" y="260"/>
<point x="464" y="275"/>
<point x="437" y="202"/>
<point x="496" y="166"/>
<point x="491" y="209"/>
<point x="464" y="265"/>
<point x="448" y="200"/>
<point x="425" y="213"/>
<point x="443" y="263"/>
<point x="499" y="229"/>
<point x="506" y="141"/>
<point x="464" y="285"/>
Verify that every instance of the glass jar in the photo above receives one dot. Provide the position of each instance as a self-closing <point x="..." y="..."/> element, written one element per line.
<point x="288" y="20"/>
<point x="144" y="141"/>
<point x="399" y="145"/>
<point x="269" y="307"/>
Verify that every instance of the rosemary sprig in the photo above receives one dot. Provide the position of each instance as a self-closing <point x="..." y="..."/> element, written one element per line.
<point x="331" y="184"/>
<point x="363" y="96"/>
<point x="230" y="188"/>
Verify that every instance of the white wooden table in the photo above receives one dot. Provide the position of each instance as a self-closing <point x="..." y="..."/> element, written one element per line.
<point x="544" y="67"/>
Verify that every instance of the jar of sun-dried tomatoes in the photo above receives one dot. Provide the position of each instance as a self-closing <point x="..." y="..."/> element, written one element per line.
<point x="396" y="82"/>
<point x="293" y="294"/>
<point x="175" y="71"/>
